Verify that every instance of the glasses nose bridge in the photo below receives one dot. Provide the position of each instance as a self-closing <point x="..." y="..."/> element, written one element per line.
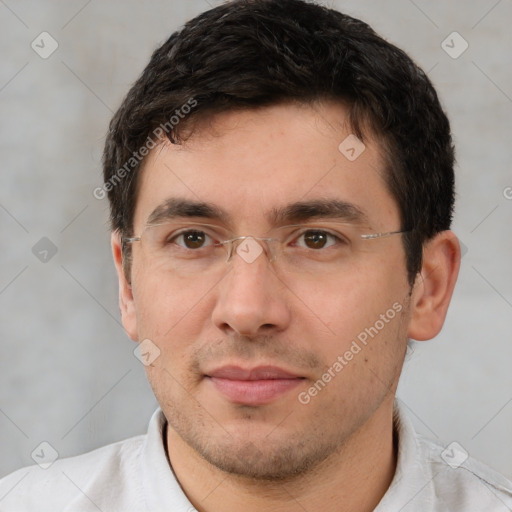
<point x="268" y="246"/>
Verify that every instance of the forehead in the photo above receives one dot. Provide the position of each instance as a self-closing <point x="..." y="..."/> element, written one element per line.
<point x="250" y="163"/>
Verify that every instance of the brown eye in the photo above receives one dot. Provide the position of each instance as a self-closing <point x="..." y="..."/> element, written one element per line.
<point x="316" y="239"/>
<point x="192" y="239"/>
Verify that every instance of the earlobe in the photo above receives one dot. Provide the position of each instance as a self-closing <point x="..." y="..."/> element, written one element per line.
<point x="126" y="301"/>
<point x="434" y="286"/>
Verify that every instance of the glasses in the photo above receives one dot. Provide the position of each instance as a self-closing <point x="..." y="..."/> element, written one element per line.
<point x="194" y="249"/>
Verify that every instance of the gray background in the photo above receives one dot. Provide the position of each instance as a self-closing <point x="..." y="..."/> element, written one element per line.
<point x="68" y="373"/>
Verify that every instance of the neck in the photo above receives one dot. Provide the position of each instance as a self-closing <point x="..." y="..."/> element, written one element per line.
<point x="355" y="478"/>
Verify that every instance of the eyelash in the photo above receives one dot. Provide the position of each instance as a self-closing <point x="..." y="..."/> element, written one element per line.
<point x="296" y="236"/>
<point x="329" y="234"/>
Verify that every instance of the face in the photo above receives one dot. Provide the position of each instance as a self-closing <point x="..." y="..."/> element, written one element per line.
<point x="266" y="371"/>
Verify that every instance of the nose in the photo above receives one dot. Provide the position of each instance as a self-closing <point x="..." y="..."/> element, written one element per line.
<point x="251" y="299"/>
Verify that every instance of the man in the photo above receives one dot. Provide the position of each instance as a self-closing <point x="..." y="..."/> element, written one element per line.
<point x="281" y="189"/>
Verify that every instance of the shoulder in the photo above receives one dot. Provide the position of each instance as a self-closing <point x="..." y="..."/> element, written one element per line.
<point x="433" y="477"/>
<point x="82" y="482"/>
<point x="462" y="482"/>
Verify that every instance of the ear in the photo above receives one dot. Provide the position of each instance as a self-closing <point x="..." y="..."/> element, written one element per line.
<point x="433" y="288"/>
<point x="126" y="302"/>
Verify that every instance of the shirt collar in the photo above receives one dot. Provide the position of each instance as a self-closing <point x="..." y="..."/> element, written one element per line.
<point x="161" y="488"/>
<point x="411" y="483"/>
<point x="412" y="476"/>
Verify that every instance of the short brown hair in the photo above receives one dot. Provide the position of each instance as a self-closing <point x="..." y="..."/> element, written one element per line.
<point x="253" y="53"/>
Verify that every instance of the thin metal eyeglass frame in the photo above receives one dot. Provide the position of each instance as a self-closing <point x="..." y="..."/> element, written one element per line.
<point x="230" y="243"/>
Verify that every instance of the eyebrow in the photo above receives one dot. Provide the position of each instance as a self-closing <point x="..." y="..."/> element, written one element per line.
<point x="294" y="212"/>
<point x="318" y="209"/>
<point x="174" y="208"/>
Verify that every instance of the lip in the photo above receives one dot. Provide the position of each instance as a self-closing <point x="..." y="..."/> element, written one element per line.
<point x="253" y="386"/>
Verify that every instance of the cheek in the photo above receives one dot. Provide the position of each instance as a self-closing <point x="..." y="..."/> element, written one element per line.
<point x="168" y="312"/>
<point x="362" y="306"/>
<point x="173" y="318"/>
<point x="354" y="298"/>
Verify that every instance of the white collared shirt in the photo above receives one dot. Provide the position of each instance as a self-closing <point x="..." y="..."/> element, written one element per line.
<point x="135" y="475"/>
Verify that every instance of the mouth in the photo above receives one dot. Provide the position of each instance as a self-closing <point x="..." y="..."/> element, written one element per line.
<point x="253" y="386"/>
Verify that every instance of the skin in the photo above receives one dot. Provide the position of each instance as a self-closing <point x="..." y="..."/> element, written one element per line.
<point x="284" y="455"/>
